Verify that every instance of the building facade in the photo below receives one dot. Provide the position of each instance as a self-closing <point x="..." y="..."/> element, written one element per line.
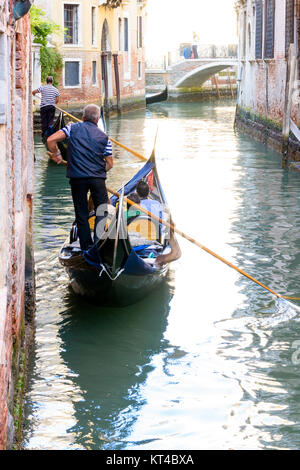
<point x="16" y="201"/>
<point x="267" y="28"/>
<point x="102" y="48"/>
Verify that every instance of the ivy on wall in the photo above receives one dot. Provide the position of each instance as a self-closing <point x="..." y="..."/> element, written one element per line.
<point x="42" y="28"/>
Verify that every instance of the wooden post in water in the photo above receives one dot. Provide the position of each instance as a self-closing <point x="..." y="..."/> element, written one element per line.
<point x="105" y="80"/>
<point x="117" y="79"/>
<point x="290" y="79"/>
<point x="217" y="85"/>
<point x="230" y="83"/>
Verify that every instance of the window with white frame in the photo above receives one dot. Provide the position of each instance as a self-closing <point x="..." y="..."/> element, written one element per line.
<point x="120" y="34"/>
<point x="94" y="72"/>
<point x="71" y="23"/>
<point x="126" y="35"/>
<point x="3" y="87"/>
<point x="93" y="26"/>
<point x="139" y="31"/>
<point x="72" y="73"/>
<point x="139" y="70"/>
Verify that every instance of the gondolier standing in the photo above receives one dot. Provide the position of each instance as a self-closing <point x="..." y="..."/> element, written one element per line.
<point x="50" y="96"/>
<point x="89" y="159"/>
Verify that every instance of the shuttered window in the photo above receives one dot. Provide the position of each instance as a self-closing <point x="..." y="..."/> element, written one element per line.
<point x="258" y="29"/>
<point x="289" y="25"/>
<point x="72" y="73"/>
<point x="269" y="29"/>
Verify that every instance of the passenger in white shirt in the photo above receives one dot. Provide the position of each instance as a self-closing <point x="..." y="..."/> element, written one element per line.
<point x="155" y="207"/>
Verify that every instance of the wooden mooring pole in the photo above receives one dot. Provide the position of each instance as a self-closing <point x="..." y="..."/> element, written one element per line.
<point x="217" y="85"/>
<point x="290" y="80"/>
<point x="230" y="82"/>
<point x="117" y="80"/>
<point x="105" y="81"/>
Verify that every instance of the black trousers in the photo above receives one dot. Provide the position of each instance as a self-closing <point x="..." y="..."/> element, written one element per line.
<point x="47" y="117"/>
<point x="80" y="188"/>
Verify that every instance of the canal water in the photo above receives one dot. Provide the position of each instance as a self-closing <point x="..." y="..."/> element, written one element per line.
<point x="209" y="360"/>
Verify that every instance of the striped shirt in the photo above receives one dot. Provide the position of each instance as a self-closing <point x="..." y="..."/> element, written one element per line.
<point x="108" y="148"/>
<point x="49" y="95"/>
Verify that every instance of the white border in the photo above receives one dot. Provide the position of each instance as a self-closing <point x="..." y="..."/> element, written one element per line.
<point x="79" y="44"/>
<point x="72" y="59"/>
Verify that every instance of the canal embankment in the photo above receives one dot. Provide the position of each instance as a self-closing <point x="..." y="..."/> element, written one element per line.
<point x="269" y="132"/>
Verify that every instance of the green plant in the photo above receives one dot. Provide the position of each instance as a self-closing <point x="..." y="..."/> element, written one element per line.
<point x="41" y="28"/>
<point x="51" y="64"/>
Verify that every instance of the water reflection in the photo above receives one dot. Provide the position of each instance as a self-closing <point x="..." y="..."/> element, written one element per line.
<point x="111" y="363"/>
<point x="206" y="362"/>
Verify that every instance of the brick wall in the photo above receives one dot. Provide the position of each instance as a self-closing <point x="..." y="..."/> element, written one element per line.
<point x="263" y="70"/>
<point x="16" y="180"/>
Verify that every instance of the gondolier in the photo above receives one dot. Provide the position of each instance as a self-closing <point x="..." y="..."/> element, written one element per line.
<point x="89" y="159"/>
<point x="49" y="99"/>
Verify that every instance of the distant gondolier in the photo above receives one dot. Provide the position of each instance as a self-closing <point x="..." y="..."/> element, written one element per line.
<point x="89" y="159"/>
<point x="49" y="99"/>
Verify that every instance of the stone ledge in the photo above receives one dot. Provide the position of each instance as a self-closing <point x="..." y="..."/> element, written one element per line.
<point x="268" y="133"/>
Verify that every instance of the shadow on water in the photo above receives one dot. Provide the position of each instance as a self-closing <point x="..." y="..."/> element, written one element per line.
<point x="110" y="362"/>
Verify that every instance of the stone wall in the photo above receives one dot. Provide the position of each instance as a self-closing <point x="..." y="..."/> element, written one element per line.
<point x="16" y="210"/>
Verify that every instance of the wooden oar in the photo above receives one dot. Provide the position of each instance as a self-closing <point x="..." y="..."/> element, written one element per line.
<point x="184" y="235"/>
<point x="195" y="242"/>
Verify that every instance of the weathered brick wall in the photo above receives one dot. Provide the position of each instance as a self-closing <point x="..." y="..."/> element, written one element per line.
<point x="16" y="180"/>
<point x="263" y="71"/>
<point x="87" y="93"/>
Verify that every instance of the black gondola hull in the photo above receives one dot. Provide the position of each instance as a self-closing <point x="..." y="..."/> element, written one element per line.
<point x="157" y="98"/>
<point x="124" y="290"/>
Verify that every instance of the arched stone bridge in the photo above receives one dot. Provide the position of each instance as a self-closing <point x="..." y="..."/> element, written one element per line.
<point x="190" y="73"/>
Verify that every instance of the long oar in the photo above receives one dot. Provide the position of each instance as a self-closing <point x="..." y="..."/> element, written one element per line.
<point x="133" y="152"/>
<point x="195" y="242"/>
<point x="182" y="234"/>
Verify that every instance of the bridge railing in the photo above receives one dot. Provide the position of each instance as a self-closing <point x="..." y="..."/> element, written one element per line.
<point x="188" y="51"/>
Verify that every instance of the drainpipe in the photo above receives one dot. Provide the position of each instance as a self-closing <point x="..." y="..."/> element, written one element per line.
<point x="21" y="8"/>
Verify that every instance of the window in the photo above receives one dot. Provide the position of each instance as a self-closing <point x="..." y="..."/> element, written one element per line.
<point x="94" y="72"/>
<point x="289" y="25"/>
<point x="71" y="23"/>
<point x="93" y="26"/>
<point x="126" y="38"/>
<point x="72" y="73"/>
<point x="258" y="29"/>
<point x="269" y="29"/>
<point x="120" y="34"/>
<point x="139" y="31"/>
<point x="3" y="78"/>
<point x="139" y="69"/>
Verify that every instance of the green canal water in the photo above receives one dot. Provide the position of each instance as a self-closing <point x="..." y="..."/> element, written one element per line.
<point x="209" y="360"/>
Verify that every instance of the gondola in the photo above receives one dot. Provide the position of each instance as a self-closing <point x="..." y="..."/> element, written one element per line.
<point x="121" y="267"/>
<point x="163" y="96"/>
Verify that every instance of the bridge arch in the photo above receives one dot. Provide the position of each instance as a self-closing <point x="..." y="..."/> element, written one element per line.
<point x="201" y="74"/>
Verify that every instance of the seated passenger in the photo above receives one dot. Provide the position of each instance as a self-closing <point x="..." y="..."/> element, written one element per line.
<point x="155" y="207"/>
<point x="132" y="211"/>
